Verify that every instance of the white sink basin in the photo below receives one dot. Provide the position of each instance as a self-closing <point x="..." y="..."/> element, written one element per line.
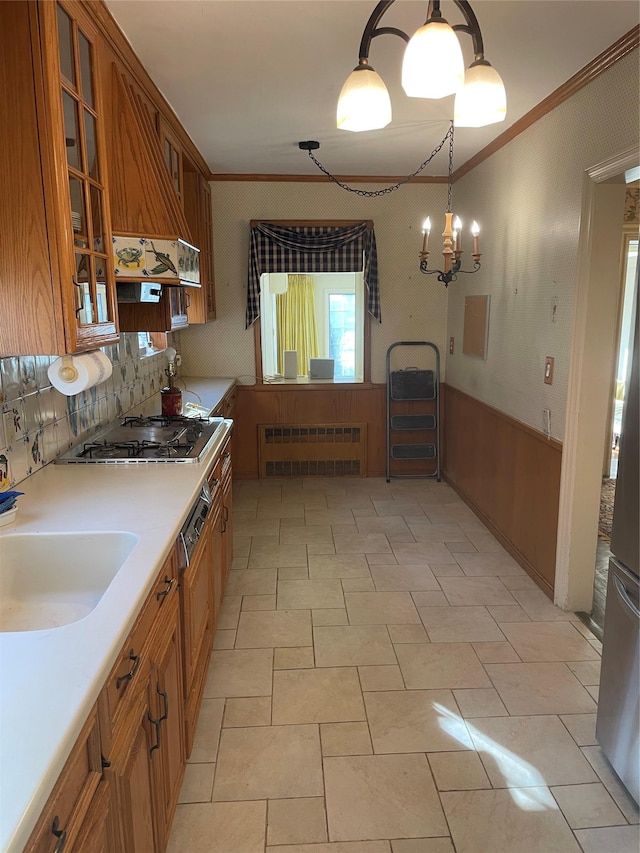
<point x="52" y="579"/>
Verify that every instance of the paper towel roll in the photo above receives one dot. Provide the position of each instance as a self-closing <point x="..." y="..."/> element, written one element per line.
<point x="72" y="374"/>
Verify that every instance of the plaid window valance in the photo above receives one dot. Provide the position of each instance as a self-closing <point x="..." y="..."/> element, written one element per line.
<point x="309" y="249"/>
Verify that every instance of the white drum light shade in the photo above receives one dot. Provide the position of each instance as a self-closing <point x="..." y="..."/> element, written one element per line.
<point x="433" y="66"/>
<point x="483" y="99"/>
<point x="364" y="102"/>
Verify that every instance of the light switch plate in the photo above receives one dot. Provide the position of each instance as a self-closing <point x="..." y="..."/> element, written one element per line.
<point x="548" y="370"/>
<point x="451" y="343"/>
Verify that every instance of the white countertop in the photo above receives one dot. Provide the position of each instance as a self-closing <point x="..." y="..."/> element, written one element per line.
<point x="50" y="679"/>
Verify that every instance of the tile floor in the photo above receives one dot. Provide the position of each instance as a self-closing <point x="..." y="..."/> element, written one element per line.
<point x="386" y="679"/>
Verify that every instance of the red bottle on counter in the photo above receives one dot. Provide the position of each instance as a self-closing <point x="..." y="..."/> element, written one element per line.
<point x="171" y="401"/>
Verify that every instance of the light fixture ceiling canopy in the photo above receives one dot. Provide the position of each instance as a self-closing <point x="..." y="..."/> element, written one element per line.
<point x="433" y="67"/>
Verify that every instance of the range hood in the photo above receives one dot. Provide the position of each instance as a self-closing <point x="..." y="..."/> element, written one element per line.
<point x="166" y="261"/>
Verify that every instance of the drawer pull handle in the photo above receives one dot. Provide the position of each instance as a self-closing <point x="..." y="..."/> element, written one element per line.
<point x="156" y="723"/>
<point x="60" y="834"/>
<point x="135" y="659"/>
<point x="165" y="699"/>
<point x="169" y="583"/>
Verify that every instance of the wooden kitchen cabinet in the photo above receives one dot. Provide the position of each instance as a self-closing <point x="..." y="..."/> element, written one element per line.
<point x="172" y="155"/>
<point x="143" y="741"/>
<point x="78" y="800"/>
<point x="197" y="208"/>
<point x="167" y="315"/>
<point x="54" y="220"/>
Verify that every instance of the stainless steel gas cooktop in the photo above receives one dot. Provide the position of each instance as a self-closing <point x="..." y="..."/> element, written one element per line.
<point x="155" y="438"/>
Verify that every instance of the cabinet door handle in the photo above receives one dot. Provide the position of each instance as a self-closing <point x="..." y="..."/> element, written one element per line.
<point x="135" y="659"/>
<point x="80" y="307"/>
<point x="156" y="723"/>
<point x="165" y="699"/>
<point x="169" y="584"/>
<point x="60" y="834"/>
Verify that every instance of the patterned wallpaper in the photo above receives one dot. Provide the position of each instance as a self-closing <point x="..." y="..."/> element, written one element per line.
<point x="38" y="422"/>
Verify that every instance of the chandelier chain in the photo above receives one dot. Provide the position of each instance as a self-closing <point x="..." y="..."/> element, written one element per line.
<point x="390" y="189"/>
<point x="450" y="181"/>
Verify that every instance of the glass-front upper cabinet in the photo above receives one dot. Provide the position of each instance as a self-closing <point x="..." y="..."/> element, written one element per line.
<point x="84" y="215"/>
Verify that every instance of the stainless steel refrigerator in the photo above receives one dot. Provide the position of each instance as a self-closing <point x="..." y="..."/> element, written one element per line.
<point x="618" y="721"/>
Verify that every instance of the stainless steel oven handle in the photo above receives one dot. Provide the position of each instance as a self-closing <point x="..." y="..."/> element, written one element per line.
<point x="624" y="595"/>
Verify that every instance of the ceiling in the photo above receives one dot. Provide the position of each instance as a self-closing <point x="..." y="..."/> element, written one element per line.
<point x="249" y="79"/>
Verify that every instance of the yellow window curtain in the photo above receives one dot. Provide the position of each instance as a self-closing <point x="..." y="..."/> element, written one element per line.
<point x="296" y="321"/>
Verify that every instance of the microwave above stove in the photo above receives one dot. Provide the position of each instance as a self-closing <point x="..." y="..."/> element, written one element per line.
<point x="138" y="291"/>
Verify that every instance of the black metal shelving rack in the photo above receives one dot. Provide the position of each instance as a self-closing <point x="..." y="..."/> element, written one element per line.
<point x="413" y="385"/>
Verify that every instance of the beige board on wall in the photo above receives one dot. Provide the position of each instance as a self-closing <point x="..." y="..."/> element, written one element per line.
<point x="476" y="326"/>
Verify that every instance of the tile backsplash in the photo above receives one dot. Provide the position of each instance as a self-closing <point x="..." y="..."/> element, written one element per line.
<point x="38" y="422"/>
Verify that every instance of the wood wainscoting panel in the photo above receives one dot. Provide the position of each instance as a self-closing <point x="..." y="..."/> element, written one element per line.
<point x="309" y="405"/>
<point x="510" y="476"/>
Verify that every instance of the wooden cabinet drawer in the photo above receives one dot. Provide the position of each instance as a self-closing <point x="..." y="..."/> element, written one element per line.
<point x="132" y="665"/>
<point x="62" y="817"/>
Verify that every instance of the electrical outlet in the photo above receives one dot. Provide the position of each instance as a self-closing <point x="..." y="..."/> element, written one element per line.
<point x="548" y="370"/>
<point x="451" y="342"/>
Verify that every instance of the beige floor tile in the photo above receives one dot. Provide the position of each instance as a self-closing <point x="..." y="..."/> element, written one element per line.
<point x="273" y="762"/>
<point x="219" y="828"/>
<point x="594" y="691"/>
<point x="389" y="525"/>
<point x="381" y="559"/>
<point x="239" y="562"/>
<point x="408" y="634"/>
<point x="448" y="514"/>
<point x="426" y="531"/>
<point x="535" y="751"/>
<point x="329" y="695"/>
<point x="320" y="548"/>
<point x="524" y="820"/>
<point x="484" y="542"/>
<point x="197" y="784"/>
<point x="345" y="739"/>
<point x="319" y="534"/>
<point x="344" y="529"/>
<point x="413" y="553"/>
<point x="597" y="645"/>
<point x="520" y="582"/>
<point x="224" y="639"/>
<point x="339" y="847"/>
<point x="358" y="585"/>
<point x="259" y="602"/>
<point x="305" y="594"/>
<point x="540" y="608"/>
<point x="403" y="578"/>
<point x="582" y="629"/>
<point x="257" y="527"/>
<point x="293" y="573"/>
<point x="241" y="546"/>
<point x="353" y="645"/>
<point x="268" y="508"/>
<point x="276" y="556"/>
<point x="329" y="616"/>
<point x="380" y="678"/>
<point x="581" y="727"/>
<point x="381" y="796"/>
<point x="508" y="613"/>
<point x="205" y="742"/>
<point x="239" y="672"/>
<point x="415" y="721"/>
<point x="615" y="839"/>
<point x="496" y="653"/>
<point x="461" y="547"/>
<point x="459" y="624"/>
<point x="362" y="543"/>
<point x="241" y="712"/>
<point x="429" y="599"/>
<point x="273" y="628"/>
<point x="540" y="688"/>
<point x="587" y="672"/>
<point x="422" y="845"/>
<point x="229" y="612"/>
<point x="338" y="566"/>
<point x="499" y="564"/>
<point x="293" y="658"/>
<point x="447" y="570"/>
<point x="458" y="771"/>
<point x="298" y="821"/>
<point x="252" y="582"/>
<point x="587" y="806"/>
<point x="397" y="507"/>
<point x="440" y="665"/>
<point x="612" y="783"/>
<point x="481" y="702"/>
<point x="548" y="641"/>
<point x="464" y="591"/>
<point x="381" y="608"/>
<point x="322" y="517"/>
